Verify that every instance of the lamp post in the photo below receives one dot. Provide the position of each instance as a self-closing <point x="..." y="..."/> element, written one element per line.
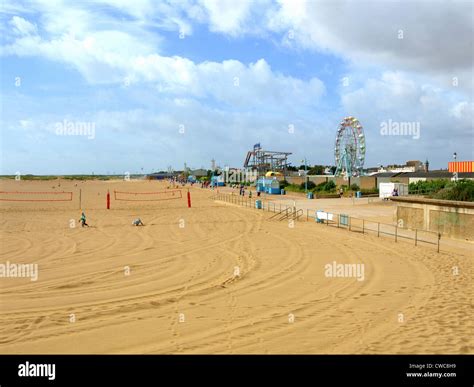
<point x="305" y="177"/>
<point x="455" y="173"/>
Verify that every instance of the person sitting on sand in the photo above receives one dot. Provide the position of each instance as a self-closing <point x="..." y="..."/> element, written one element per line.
<point x="83" y="220"/>
<point x="138" y="222"/>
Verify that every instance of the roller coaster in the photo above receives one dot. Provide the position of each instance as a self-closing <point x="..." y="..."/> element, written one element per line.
<point x="262" y="160"/>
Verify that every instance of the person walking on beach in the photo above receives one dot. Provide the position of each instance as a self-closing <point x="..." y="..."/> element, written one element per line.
<point x="83" y="220"/>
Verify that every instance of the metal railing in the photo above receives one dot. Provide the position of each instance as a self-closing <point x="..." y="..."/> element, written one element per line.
<point x="350" y="223"/>
<point x="365" y="226"/>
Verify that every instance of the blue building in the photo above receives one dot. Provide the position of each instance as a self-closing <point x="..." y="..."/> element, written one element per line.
<point x="217" y="181"/>
<point x="268" y="185"/>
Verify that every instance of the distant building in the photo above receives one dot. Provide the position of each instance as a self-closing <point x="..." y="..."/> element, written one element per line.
<point x="199" y="173"/>
<point x="413" y="177"/>
<point x="162" y="175"/>
<point x="410" y="166"/>
<point x="417" y="165"/>
<point x="302" y="172"/>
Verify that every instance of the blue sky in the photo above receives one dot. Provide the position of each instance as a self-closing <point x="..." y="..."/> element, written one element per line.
<point x="150" y="84"/>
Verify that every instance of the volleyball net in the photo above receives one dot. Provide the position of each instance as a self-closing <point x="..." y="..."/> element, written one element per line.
<point x="35" y="196"/>
<point x="147" y="196"/>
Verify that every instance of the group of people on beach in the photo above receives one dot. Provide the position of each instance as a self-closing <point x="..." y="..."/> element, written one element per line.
<point x="243" y="190"/>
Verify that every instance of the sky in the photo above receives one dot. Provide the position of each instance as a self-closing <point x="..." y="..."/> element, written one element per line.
<point x="114" y="86"/>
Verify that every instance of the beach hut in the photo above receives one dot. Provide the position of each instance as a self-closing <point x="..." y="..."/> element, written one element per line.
<point x="270" y="186"/>
<point x="217" y="181"/>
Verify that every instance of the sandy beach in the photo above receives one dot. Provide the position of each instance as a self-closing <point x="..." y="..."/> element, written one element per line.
<point x="219" y="278"/>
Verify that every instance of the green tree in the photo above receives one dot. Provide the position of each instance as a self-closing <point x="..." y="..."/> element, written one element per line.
<point x="355" y="187"/>
<point x="330" y="186"/>
<point x="316" y="170"/>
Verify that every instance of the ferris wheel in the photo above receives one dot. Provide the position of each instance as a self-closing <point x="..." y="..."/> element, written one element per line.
<point x="349" y="151"/>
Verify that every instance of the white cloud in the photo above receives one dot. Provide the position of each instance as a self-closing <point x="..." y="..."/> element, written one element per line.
<point x="464" y="111"/>
<point x="227" y="16"/>
<point x="22" y="26"/>
<point x="113" y="56"/>
<point x="444" y="118"/>
<point x="436" y="35"/>
<point x="252" y="102"/>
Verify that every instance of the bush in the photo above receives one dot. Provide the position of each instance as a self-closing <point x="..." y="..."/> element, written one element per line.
<point x="369" y="191"/>
<point x="284" y="184"/>
<point x="462" y="190"/>
<point x="427" y="187"/>
<point x="294" y="188"/>
<point x="325" y="187"/>
<point x="330" y="186"/>
<point x="355" y="187"/>
<point x="310" y="185"/>
<point x="319" y="187"/>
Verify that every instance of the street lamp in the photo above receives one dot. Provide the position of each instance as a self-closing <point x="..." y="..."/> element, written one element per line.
<point x="455" y="172"/>
<point x="305" y="177"/>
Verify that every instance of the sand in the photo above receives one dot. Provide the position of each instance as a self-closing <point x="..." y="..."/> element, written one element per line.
<point x="170" y="286"/>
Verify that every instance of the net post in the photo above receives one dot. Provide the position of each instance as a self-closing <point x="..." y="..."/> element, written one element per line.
<point x="189" y="199"/>
<point x="108" y="200"/>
